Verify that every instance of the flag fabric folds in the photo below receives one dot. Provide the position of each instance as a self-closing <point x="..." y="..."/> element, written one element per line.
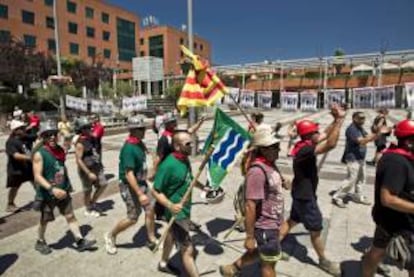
<point x="202" y="86"/>
<point x="229" y="140"/>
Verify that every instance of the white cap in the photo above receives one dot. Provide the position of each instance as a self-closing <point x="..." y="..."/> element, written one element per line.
<point x="15" y="124"/>
<point x="264" y="136"/>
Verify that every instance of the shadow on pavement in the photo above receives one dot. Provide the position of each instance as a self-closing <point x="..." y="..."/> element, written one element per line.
<point x="7" y="261"/>
<point x="351" y="268"/>
<point x="67" y="240"/>
<point x="140" y="237"/>
<point x="105" y="206"/>
<point x="211" y="246"/>
<point x="294" y="248"/>
<point x="109" y="176"/>
<point x="218" y="225"/>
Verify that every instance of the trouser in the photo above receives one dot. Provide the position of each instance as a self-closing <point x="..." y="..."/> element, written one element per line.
<point x="355" y="179"/>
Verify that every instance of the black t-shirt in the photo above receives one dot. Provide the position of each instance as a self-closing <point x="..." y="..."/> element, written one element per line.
<point x="17" y="167"/>
<point x="396" y="173"/>
<point x="382" y="138"/>
<point x="90" y="156"/>
<point x="305" y="179"/>
<point x="164" y="147"/>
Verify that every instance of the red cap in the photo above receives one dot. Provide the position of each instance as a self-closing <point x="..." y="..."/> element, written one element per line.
<point x="305" y="127"/>
<point x="404" y="129"/>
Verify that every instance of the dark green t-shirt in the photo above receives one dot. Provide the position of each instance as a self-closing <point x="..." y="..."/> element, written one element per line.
<point x="173" y="177"/>
<point x="54" y="172"/>
<point x="132" y="156"/>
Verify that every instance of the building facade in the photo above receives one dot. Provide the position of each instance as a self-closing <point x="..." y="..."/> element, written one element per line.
<point x="89" y="30"/>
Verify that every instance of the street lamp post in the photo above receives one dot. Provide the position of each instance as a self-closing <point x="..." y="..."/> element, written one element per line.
<point x="59" y="66"/>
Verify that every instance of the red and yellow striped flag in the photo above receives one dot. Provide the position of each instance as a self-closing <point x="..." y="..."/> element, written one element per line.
<point x="202" y="86"/>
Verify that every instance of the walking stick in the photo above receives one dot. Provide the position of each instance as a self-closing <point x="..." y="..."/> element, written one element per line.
<point x="185" y="197"/>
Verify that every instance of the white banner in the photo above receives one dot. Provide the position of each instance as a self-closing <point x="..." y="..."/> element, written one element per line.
<point x="137" y="103"/>
<point x="235" y="93"/>
<point x="101" y="106"/>
<point x="76" y="103"/>
<point x="409" y="92"/>
<point x="334" y="96"/>
<point x="264" y="99"/>
<point x="363" y="97"/>
<point x="309" y="101"/>
<point x="289" y="100"/>
<point x="384" y="97"/>
<point x="247" y="98"/>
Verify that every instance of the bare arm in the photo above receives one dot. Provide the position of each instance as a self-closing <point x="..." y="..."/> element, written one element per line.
<point x="332" y="138"/>
<point x="79" y="153"/>
<point x="193" y="129"/>
<point x="21" y="157"/>
<point x="132" y="182"/>
<point x="37" y="172"/>
<point x="161" y="198"/>
<point x="392" y="201"/>
<point x="250" y="218"/>
<point x="367" y="139"/>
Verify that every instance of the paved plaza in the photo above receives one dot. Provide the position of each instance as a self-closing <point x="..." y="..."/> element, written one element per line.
<point x="348" y="231"/>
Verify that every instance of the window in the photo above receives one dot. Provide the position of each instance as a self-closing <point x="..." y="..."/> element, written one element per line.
<point x="73" y="28"/>
<point x="156" y="46"/>
<point x="4" y="36"/>
<point x="29" y="40"/>
<point x="126" y="39"/>
<point x="141" y="53"/>
<point x="89" y="12"/>
<point x="4" y="11"/>
<point x="106" y="35"/>
<point x="201" y="47"/>
<point x="141" y="41"/>
<point x="71" y="6"/>
<point x="51" y="45"/>
<point x="181" y="41"/>
<point x="90" y="32"/>
<point x="49" y="3"/>
<point x="50" y="23"/>
<point x="107" y="53"/>
<point x="74" y="48"/>
<point x="105" y="17"/>
<point x="28" y="17"/>
<point x="195" y="45"/>
<point x="91" y="51"/>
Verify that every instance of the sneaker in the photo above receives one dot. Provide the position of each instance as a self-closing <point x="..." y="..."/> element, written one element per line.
<point x="284" y="256"/>
<point x="84" y="244"/>
<point x="330" y="267"/>
<point x="11" y="208"/>
<point x="229" y="270"/>
<point x="168" y="268"/>
<point x="360" y="199"/>
<point x="42" y="247"/>
<point x="338" y="202"/>
<point x="151" y="244"/>
<point x="110" y="244"/>
<point x="92" y="213"/>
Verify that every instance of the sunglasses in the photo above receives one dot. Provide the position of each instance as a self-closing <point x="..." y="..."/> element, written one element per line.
<point x="50" y="133"/>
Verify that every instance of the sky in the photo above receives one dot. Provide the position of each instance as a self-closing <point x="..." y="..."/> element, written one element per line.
<point x="244" y="31"/>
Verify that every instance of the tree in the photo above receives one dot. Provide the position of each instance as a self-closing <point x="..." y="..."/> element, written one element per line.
<point x="339" y="61"/>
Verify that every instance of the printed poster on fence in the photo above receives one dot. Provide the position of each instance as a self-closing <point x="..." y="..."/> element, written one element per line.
<point x="363" y="98"/>
<point x="247" y="98"/>
<point x="76" y="103"/>
<point x="264" y="99"/>
<point x="136" y="103"/>
<point x="102" y="106"/>
<point x="289" y="100"/>
<point x="384" y="97"/>
<point x="308" y="101"/>
<point x="334" y="96"/>
<point x="409" y="91"/>
<point x="233" y="92"/>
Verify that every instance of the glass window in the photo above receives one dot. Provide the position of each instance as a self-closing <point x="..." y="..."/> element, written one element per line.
<point x="4" y="36"/>
<point x="182" y="41"/>
<point x="71" y="6"/>
<point x="195" y="45"/>
<point x="141" y="41"/>
<point x="156" y="46"/>
<point x="73" y="28"/>
<point x="50" y="23"/>
<point x="201" y="47"/>
<point x="29" y="40"/>
<point x="74" y="48"/>
<point x="105" y="17"/>
<point x="141" y="53"/>
<point x="126" y="39"/>
<point x="89" y="12"/>
<point x="51" y="45"/>
<point x="91" y="51"/>
<point x="90" y="32"/>
<point x="106" y="35"/>
<point x="28" y="17"/>
<point x="107" y="53"/>
<point x="4" y="11"/>
<point x="49" y="3"/>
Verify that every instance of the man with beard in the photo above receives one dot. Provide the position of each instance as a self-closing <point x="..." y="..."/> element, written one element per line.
<point x="305" y="208"/>
<point x="53" y="188"/>
<point x="393" y="210"/>
<point x="133" y="185"/>
<point x="19" y="165"/>
<point x="90" y="167"/>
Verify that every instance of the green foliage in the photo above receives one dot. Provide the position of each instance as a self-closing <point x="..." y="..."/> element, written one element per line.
<point x="124" y="88"/>
<point x="173" y="92"/>
<point x="51" y="92"/>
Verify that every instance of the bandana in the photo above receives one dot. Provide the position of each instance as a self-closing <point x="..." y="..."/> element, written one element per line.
<point x="180" y="156"/>
<point x="394" y="149"/>
<point x="56" y="152"/>
<point x="263" y="161"/>
<point x="167" y="133"/>
<point x="133" y="140"/>
<point x="299" y="145"/>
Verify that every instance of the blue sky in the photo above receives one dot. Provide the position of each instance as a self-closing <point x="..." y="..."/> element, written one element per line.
<point x="242" y="31"/>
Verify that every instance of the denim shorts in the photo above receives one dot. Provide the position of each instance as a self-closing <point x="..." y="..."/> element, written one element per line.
<point x="268" y="244"/>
